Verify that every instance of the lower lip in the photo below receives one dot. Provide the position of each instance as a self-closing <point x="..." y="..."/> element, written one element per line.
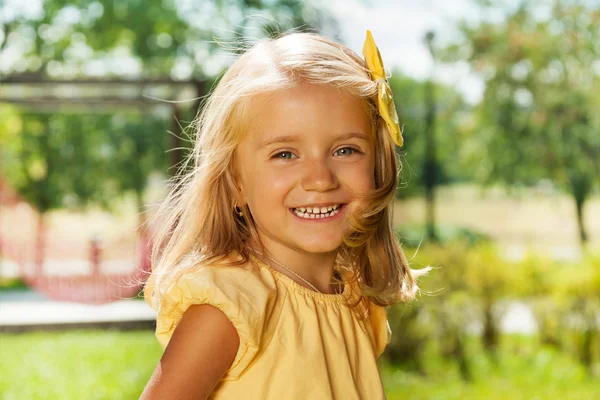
<point x="335" y="216"/>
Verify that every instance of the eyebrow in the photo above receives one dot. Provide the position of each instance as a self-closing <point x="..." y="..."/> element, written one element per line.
<point x="296" y="138"/>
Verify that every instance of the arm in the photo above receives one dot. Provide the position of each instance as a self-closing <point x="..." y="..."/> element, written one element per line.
<point x="202" y="348"/>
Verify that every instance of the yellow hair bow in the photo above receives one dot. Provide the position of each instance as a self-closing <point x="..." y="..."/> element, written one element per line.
<point x="385" y="102"/>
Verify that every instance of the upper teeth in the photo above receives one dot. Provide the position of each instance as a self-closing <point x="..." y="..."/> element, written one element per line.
<point x="317" y="210"/>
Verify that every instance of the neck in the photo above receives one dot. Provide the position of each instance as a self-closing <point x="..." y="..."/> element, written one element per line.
<point x="316" y="268"/>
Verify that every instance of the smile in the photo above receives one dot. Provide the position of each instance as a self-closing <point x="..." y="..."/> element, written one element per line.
<point x="317" y="212"/>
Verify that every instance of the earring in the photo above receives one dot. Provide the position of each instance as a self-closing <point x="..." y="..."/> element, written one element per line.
<point x="238" y="210"/>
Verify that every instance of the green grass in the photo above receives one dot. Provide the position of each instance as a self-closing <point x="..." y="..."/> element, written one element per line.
<point x="522" y="371"/>
<point x="76" y="365"/>
<point x="116" y="365"/>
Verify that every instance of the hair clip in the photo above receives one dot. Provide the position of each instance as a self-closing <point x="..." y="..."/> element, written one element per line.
<point x="385" y="103"/>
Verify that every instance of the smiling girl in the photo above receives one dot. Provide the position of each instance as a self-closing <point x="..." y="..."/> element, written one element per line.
<point x="277" y="256"/>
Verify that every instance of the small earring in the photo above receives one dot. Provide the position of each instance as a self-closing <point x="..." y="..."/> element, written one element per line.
<point x="238" y="210"/>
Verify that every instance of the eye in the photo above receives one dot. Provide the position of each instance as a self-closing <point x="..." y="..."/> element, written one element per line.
<point x="346" y="151"/>
<point x="283" y="155"/>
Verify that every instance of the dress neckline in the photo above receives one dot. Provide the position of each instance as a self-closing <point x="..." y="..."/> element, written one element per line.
<point x="292" y="284"/>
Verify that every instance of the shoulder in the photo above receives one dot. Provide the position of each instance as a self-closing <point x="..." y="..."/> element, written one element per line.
<point x="238" y="291"/>
<point x="183" y="371"/>
<point x="195" y="279"/>
<point x="235" y="280"/>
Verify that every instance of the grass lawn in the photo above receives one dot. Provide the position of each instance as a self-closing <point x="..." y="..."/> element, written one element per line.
<point x="117" y="365"/>
<point x="523" y="371"/>
<point x="76" y="365"/>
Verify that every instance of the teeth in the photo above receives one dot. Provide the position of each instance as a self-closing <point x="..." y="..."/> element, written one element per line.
<point x="317" y="212"/>
<point x="312" y="215"/>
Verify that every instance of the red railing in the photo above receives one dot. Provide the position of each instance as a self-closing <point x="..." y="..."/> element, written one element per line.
<point x="72" y="272"/>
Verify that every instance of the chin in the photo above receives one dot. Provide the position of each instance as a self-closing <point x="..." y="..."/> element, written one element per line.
<point x="327" y="247"/>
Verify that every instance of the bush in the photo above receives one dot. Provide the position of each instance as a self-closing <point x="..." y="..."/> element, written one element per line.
<point x="463" y="297"/>
<point x="11" y="284"/>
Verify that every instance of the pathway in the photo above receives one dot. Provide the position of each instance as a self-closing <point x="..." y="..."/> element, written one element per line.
<point x="24" y="310"/>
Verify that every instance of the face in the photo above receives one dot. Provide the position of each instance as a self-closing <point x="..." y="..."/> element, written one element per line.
<point x="309" y="147"/>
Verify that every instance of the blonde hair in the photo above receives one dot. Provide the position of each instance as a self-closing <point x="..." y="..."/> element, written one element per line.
<point x="201" y="226"/>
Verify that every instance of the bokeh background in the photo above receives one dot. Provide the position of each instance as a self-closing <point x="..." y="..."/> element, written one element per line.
<point x="499" y="188"/>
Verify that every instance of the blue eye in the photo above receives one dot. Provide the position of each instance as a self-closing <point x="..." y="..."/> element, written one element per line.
<point x="283" y="155"/>
<point x="347" y="151"/>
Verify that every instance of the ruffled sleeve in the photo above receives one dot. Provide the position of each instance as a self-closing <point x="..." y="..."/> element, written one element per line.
<point x="382" y="334"/>
<point x="236" y="291"/>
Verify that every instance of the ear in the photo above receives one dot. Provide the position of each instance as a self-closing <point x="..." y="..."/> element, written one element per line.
<point x="235" y="182"/>
<point x="239" y="196"/>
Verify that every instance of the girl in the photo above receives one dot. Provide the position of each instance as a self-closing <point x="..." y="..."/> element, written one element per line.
<point x="277" y="256"/>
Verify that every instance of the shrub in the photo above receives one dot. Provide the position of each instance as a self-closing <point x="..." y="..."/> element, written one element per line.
<point x="463" y="296"/>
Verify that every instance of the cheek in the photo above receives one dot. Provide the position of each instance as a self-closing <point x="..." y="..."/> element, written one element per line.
<point x="270" y="186"/>
<point x="360" y="177"/>
<point x="279" y="182"/>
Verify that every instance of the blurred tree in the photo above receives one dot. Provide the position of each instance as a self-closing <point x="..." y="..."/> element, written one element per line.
<point x="450" y="110"/>
<point x="538" y="117"/>
<point x="51" y="163"/>
<point x="138" y="142"/>
<point x="430" y="163"/>
<point x="140" y="38"/>
<point x="428" y="123"/>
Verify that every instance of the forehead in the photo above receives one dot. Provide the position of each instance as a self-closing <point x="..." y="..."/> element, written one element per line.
<point x="307" y="111"/>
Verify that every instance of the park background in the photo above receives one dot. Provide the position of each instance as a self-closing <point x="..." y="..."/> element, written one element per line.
<point x="499" y="188"/>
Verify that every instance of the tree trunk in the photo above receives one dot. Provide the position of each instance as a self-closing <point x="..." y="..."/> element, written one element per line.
<point x="581" y="188"/>
<point x="461" y="357"/>
<point x="491" y="334"/>
<point x="583" y="235"/>
<point x="430" y="164"/>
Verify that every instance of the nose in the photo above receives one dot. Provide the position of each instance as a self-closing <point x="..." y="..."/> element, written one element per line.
<point x="319" y="176"/>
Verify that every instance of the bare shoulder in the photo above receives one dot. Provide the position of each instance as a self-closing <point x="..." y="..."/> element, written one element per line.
<point x="201" y="350"/>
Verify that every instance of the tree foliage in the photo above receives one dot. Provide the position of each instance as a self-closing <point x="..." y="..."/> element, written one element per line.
<point x="69" y="160"/>
<point x="409" y="96"/>
<point x="538" y="117"/>
<point x="136" y="37"/>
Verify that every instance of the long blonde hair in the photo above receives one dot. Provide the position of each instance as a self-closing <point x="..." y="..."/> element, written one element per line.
<point x="200" y="226"/>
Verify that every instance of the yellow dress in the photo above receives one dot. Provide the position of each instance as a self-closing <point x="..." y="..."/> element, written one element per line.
<point x="294" y="343"/>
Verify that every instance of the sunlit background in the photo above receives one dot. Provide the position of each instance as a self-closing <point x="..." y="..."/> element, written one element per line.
<point x="499" y="189"/>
